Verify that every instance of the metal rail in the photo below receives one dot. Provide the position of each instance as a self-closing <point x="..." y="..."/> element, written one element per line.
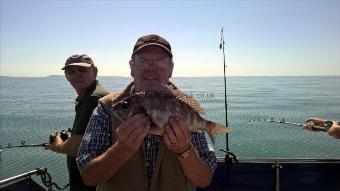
<point x="281" y="160"/>
<point x="277" y="164"/>
<point x="42" y="172"/>
<point x="21" y="176"/>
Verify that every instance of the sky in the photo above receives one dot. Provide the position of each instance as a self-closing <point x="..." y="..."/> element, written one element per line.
<point x="262" y="38"/>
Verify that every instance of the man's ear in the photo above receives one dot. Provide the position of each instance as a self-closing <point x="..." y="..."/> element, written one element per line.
<point x="131" y="68"/>
<point x="171" y="69"/>
<point x="95" y="70"/>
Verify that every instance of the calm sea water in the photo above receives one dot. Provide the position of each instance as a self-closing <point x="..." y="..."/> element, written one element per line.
<point x="33" y="108"/>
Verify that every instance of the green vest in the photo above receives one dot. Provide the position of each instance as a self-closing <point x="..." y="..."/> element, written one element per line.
<point x="132" y="176"/>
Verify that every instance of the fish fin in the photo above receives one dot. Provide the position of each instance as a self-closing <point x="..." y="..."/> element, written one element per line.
<point x="215" y="128"/>
<point x="162" y="89"/>
<point x="194" y="104"/>
<point x="165" y="89"/>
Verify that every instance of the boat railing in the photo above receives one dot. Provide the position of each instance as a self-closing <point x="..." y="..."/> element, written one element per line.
<point x="279" y="174"/>
<point x="16" y="182"/>
<point x="281" y="160"/>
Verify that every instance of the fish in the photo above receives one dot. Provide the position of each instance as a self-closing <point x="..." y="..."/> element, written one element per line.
<point x="161" y="102"/>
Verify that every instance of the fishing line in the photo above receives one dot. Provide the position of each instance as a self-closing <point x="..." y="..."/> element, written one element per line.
<point x="283" y="121"/>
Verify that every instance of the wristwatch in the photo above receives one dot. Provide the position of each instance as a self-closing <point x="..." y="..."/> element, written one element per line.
<point x="328" y="124"/>
<point x="186" y="153"/>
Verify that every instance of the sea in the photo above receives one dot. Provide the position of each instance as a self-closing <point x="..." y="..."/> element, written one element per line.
<point x="31" y="109"/>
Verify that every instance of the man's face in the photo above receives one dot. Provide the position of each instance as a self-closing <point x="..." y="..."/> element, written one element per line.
<point x="151" y="65"/>
<point x="81" y="78"/>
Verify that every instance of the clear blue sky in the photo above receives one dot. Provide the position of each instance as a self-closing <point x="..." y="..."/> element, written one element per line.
<point x="262" y="37"/>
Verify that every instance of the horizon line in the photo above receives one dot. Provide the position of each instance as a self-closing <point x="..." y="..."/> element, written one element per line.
<point x="312" y="75"/>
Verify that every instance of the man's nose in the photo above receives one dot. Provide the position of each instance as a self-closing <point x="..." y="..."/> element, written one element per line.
<point x="150" y="65"/>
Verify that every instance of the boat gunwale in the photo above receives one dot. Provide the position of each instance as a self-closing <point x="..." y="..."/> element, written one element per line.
<point x="280" y="160"/>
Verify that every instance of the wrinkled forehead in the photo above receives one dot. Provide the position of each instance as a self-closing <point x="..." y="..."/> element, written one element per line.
<point x="152" y="53"/>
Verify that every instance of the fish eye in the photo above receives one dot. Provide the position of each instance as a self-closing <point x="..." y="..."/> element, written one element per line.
<point x="125" y="104"/>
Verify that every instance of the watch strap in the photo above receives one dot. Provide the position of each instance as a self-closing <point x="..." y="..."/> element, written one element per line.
<point x="185" y="154"/>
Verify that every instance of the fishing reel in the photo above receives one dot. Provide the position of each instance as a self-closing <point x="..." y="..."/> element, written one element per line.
<point x="64" y="135"/>
<point x="327" y="124"/>
<point x="229" y="158"/>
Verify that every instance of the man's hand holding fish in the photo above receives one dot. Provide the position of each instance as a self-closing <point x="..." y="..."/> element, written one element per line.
<point x="131" y="133"/>
<point x="177" y="137"/>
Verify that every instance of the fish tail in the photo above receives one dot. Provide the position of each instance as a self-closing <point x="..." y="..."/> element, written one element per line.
<point x="214" y="128"/>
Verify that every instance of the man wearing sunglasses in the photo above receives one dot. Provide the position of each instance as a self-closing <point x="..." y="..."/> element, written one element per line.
<point x="81" y="72"/>
<point x="121" y="155"/>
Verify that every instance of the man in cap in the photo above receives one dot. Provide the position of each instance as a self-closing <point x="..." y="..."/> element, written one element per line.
<point x="81" y="72"/>
<point x="121" y="155"/>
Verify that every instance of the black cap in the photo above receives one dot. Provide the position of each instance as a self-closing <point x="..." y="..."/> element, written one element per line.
<point x="79" y="60"/>
<point x="152" y="40"/>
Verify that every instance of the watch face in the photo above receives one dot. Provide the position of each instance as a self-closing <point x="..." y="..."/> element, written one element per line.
<point x="186" y="154"/>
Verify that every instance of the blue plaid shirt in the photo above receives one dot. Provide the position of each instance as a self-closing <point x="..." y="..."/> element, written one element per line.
<point x="98" y="138"/>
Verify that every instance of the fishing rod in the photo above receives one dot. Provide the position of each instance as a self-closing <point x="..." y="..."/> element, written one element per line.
<point x="225" y="89"/>
<point x="283" y="121"/>
<point x="64" y="135"/>
<point x="9" y="145"/>
<point x="229" y="157"/>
